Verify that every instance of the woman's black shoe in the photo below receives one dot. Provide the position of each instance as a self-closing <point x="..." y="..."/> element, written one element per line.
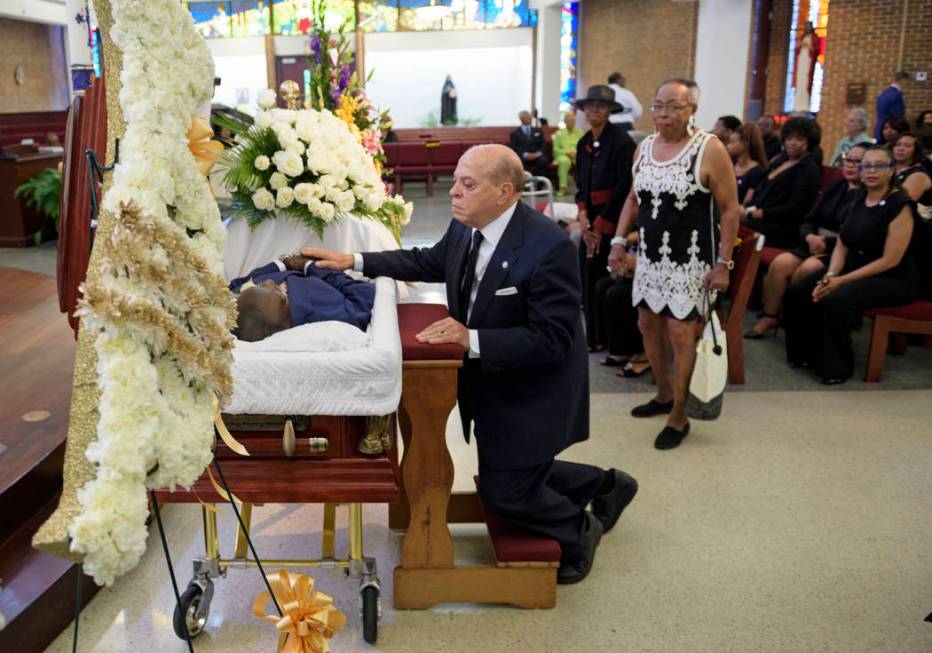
<point x="611" y="361"/>
<point x="651" y="408"/>
<point x="670" y="438"/>
<point x="629" y="372"/>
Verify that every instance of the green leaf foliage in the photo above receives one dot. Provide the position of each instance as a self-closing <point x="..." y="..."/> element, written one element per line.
<point x="43" y="192"/>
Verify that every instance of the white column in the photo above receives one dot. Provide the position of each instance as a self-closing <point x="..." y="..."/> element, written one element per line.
<point x="80" y="61"/>
<point x="547" y="91"/>
<point x="722" y="43"/>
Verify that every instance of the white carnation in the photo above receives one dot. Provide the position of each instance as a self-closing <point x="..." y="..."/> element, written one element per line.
<point x="373" y="202"/>
<point x="409" y="210"/>
<point x="346" y="201"/>
<point x="314" y="205"/>
<point x="267" y="98"/>
<point x="263" y="200"/>
<point x="262" y="162"/>
<point x="284" y="197"/>
<point x="278" y="180"/>
<point x="289" y="163"/>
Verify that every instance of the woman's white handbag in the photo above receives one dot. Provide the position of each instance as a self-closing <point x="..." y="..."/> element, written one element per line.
<point x="710" y="375"/>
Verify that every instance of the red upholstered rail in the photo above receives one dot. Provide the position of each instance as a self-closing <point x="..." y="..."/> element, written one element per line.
<point x="412" y="319"/>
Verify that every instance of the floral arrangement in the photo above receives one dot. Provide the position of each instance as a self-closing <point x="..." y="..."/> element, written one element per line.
<point x="158" y="303"/>
<point x="309" y="165"/>
<point x="336" y="86"/>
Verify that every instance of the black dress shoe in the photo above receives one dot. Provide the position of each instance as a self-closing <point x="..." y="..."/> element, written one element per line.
<point x="651" y="408"/>
<point x="572" y="570"/>
<point x="608" y="507"/>
<point x="670" y="438"/>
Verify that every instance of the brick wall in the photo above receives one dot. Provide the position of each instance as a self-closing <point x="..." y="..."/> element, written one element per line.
<point x="30" y="45"/>
<point x="648" y="41"/>
<point x="863" y="46"/>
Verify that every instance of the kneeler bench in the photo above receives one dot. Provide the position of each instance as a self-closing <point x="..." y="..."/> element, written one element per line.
<point x="525" y="571"/>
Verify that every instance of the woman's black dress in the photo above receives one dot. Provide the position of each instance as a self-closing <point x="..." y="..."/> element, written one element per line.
<point x="819" y="334"/>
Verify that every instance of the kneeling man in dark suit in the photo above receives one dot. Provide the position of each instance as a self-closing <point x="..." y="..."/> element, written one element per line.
<point x="514" y="294"/>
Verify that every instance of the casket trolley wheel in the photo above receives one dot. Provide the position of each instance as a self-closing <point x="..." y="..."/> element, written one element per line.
<point x="191" y="613"/>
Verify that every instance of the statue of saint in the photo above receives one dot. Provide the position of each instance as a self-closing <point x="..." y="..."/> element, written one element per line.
<point x="448" y="103"/>
<point x="807" y="51"/>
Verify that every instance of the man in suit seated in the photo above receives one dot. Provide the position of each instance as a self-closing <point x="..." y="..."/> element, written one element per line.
<point x="529" y="143"/>
<point x="513" y="289"/>
<point x="291" y="292"/>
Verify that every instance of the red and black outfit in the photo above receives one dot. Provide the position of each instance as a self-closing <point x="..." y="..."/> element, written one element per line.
<point x="603" y="181"/>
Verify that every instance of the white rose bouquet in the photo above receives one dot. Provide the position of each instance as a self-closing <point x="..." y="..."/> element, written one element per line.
<point x="308" y="164"/>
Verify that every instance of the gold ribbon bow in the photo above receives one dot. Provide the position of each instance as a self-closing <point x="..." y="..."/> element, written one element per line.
<point x="310" y="618"/>
<point x="206" y="152"/>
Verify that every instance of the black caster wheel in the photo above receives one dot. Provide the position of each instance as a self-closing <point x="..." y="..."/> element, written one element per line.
<point x="370" y="614"/>
<point x="192" y="611"/>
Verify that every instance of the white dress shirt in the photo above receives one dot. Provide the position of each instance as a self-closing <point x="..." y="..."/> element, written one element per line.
<point x="491" y="234"/>
<point x="632" y="108"/>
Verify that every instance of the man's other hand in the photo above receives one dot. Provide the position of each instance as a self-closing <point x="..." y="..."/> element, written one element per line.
<point x="328" y="259"/>
<point x="444" y="332"/>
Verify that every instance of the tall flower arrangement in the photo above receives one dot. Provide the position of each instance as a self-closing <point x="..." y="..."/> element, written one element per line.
<point x="335" y="85"/>
<point x="159" y="307"/>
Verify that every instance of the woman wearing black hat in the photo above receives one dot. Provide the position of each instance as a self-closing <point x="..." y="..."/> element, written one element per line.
<point x="603" y="179"/>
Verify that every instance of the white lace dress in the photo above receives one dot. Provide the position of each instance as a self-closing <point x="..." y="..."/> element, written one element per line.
<point x="678" y="224"/>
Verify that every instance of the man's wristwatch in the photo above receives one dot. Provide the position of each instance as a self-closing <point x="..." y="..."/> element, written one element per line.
<point x="729" y="265"/>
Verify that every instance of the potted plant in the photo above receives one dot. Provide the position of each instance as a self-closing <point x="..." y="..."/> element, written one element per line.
<point x="43" y="192"/>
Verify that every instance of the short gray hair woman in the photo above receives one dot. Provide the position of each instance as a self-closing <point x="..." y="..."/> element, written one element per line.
<point x="683" y="180"/>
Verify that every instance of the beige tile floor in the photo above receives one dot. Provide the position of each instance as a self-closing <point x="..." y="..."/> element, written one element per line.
<point x="798" y="522"/>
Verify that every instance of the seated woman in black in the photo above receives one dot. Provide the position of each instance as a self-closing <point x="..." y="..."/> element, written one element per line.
<point x="790" y="187"/>
<point x="870" y="267"/>
<point x="619" y="318"/>
<point x="746" y="147"/>
<point x="818" y="233"/>
<point x="910" y="174"/>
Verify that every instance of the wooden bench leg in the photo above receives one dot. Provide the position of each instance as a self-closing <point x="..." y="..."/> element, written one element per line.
<point x="430" y="185"/>
<point x="735" y="341"/>
<point x="877" y="353"/>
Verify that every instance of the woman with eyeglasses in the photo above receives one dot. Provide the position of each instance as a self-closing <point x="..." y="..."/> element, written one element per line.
<point x="818" y="232"/>
<point x="791" y="184"/>
<point x="683" y="178"/>
<point x="603" y="179"/>
<point x="870" y="267"/>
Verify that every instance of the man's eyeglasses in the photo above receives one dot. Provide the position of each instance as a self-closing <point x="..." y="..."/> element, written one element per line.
<point x="669" y="108"/>
<point x="871" y="167"/>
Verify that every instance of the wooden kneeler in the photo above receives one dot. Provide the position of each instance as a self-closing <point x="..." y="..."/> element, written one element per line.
<point x="525" y="571"/>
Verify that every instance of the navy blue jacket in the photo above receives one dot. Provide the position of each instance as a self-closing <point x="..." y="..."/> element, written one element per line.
<point x="528" y="393"/>
<point x="890" y="104"/>
<point x="316" y="295"/>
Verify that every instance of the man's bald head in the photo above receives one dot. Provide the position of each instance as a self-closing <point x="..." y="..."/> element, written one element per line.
<point x="488" y="179"/>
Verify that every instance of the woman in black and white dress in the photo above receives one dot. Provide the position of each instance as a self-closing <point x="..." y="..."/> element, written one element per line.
<point x="683" y="181"/>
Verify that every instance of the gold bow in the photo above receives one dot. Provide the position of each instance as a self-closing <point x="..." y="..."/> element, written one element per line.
<point x="206" y="152"/>
<point x="310" y="618"/>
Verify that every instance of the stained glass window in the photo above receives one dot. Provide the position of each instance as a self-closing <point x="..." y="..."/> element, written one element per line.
<point x="231" y="18"/>
<point x="569" y="26"/>
<point x="804" y="11"/>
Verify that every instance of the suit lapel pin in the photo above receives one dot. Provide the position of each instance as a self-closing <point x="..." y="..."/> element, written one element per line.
<point x="504" y="265"/>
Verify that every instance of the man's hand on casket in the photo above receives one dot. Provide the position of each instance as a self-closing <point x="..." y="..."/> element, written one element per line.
<point x="328" y="259"/>
<point x="444" y="332"/>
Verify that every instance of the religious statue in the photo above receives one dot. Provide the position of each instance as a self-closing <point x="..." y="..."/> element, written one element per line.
<point x="807" y="52"/>
<point x="448" y="103"/>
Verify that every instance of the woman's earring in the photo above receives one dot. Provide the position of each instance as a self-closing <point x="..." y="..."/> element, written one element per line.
<point x="691" y="125"/>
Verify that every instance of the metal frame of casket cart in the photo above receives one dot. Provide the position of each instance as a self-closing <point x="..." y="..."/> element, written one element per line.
<point x="324" y="467"/>
<point x="303" y="442"/>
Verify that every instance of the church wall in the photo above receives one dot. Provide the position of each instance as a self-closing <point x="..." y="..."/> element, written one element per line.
<point x="775" y="88"/>
<point x="648" y="41"/>
<point x="863" y="46"/>
<point x="30" y="45"/>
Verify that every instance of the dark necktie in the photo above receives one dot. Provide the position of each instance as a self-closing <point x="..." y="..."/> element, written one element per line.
<point x="469" y="275"/>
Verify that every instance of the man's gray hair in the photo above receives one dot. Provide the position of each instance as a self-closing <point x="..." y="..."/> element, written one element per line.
<point x="692" y="88"/>
<point x="863" y="116"/>
<point x="504" y="167"/>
